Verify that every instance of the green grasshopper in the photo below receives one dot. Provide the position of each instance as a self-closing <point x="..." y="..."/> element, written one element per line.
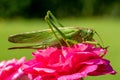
<point x="53" y="37"/>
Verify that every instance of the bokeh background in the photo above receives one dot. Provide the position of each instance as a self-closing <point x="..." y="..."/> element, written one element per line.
<point x="17" y="16"/>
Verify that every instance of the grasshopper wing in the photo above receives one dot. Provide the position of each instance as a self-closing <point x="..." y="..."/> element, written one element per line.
<point x="31" y="37"/>
<point x="42" y="38"/>
<point x="39" y="36"/>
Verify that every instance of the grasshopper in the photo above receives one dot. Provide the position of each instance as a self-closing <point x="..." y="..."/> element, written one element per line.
<point x="53" y="37"/>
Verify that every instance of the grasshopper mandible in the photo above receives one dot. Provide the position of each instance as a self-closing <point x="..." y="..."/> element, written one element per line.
<point x="53" y="37"/>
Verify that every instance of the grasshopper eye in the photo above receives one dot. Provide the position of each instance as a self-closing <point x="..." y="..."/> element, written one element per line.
<point x="90" y="32"/>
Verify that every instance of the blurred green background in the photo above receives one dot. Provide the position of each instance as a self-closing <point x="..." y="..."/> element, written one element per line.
<point x="17" y="16"/>
<point x="62" y="8"/>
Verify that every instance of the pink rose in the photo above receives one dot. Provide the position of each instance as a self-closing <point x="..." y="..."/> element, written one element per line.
<point x="10" y="70"/>
<point x="68" y="63"/>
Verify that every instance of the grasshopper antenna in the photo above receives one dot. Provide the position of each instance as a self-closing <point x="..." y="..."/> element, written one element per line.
<point x="54" y="18"/>
<point x="100" y="38"/>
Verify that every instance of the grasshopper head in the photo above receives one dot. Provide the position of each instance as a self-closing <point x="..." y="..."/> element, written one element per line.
<point x="86" y="34"/>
